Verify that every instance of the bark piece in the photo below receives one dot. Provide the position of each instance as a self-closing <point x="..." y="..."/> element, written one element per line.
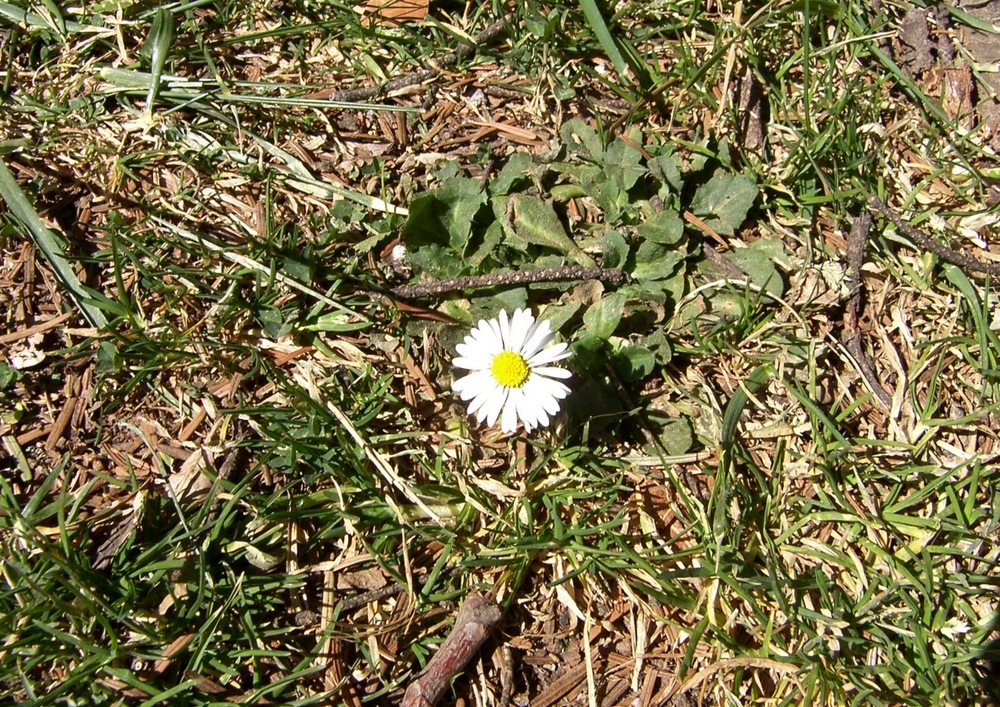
<point x="473" y="625"/>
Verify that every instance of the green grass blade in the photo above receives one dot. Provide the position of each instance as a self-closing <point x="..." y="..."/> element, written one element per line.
<point x="57" y="16"/>
<point x="731" y="418"/>
<point x="31" y="19"/>
<point x="161" y="35"/>
<point x="967" y="18"/>
<point x="252" y="264"/>
<point x="603" y="34"/>
<point x="757" y="379"/>
<point x="51" y="246"/>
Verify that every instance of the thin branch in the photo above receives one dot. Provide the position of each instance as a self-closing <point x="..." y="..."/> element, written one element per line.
<point x="518" y="277"/>
<point x="856" y="241"/>
<point x="967" y="263"/>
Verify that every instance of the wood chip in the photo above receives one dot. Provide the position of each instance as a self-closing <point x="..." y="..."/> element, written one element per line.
<point x="61" y="424"/>
<point x="36" y="329"/>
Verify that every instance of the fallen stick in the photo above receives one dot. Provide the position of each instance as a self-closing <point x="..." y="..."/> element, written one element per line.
<point x="967" y="263"/>
<point x="518" y="277"/>
<point x="473" y="625"/>
<point x="853" y="338"/>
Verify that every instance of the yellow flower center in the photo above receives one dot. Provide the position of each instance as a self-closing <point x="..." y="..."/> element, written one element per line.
<point x="510" y="369"/>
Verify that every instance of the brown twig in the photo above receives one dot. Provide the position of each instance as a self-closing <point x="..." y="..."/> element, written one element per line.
<point x="506" y="676"/>
<point x="517" y="277"/>
<point x="367" y="92"/>
<point x="353" y="602"/>
<point x="967" y="263"/>
<point x="473" y="625"/>
<point x="856" y="241"/>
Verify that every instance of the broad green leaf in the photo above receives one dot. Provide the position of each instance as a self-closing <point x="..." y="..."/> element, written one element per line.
<point x="539" y="26"/>
<point x="578" y="136"/>
<point x="758" y="261"/>
<point x="655" y="261"/>
<point x="508" y="298"/>
<point x="565" y="192"/>
<point x="273" y="321"/>
<point x="723" y="202"/>
<point x="676" y="436"/>
<point x="436" y="261"/>
<point x="667" y="168"/>
<point x="596" y="402"/>
<point x="483" y="248"/>
<point x="517" y="169"/>
<point x="108" y="358"/>
<point x="445" y="215"/>
<point x="622" y="164"/>
<point x="537" y="223"/>
<point x="614" y="249"/>
<point x="593" y="181"/>
<point x="633" y="362"/>
<point x="301" y="268"/>
<point x="602" y="318"/>
<point x="665" y="228"/>
<point x="8" y="375"/>
<point x="608" y="195"/>
<point x="588" y="350"/>
<point x="558" y="314"/>
<point x="658" y="343"/>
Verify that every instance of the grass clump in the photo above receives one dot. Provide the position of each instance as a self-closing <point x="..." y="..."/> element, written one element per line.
<point x="236" y="471"/>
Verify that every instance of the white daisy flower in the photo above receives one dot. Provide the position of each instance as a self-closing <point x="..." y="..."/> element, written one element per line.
<point x="511" y="377"/>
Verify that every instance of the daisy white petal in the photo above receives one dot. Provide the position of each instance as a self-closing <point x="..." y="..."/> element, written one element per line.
<point x="530" y="411"/>
<point x="473" y="384"/>
<point x="474" y="361"/>
<point x="549" y="355"/>
<point x="509" y="418"/>
<point x="510" y="377"/>
<point x="538" y="337"/>
<point x="504" y="322"/>
<point x="495" y="337"/>
<point x="493" y="405"/>
<point x="548" y="394"/>
<point x="551" y="371"/>
<point x="520" y="329"/>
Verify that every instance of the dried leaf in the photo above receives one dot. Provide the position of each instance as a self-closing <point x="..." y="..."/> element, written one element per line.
<point x="190" y="483"/>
